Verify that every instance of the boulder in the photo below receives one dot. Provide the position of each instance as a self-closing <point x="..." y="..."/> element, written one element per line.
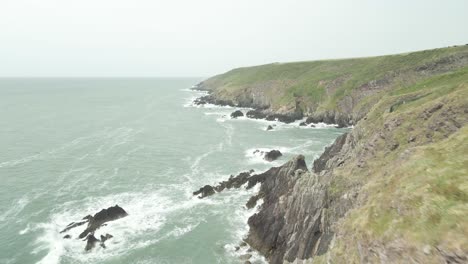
<point x="205" y="191"/>
<point x="237" y="114"/>
<point x="303" y="124"/>
<point x="272" y="155"/>
<point x="269" y="128"/>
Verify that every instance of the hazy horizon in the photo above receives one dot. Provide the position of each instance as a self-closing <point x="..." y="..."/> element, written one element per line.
<point x="108" y="39"/>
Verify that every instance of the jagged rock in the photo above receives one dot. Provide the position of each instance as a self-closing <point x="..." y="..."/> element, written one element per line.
<point x="91" y="241"/>
<point x="272" y="155"/>
<point x="205" y="191"/>
<point x="255" y="114"/>
<point x="105" y="215"/>
<point x="104" y="238"/>
<point x="330" y="151"/>
<point x="237" y="114"/>
<point x="284" y="118"/>
<point x="269" y="128"/>
<point x="209" y="99"/>
<point x="266" y="225"/>
<point x="303" y="124"/>
<point x="74" y="224"/>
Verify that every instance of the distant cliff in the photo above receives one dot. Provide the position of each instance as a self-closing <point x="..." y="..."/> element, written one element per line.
<point x="395" y="188"/>
<point x="335" y="91"/>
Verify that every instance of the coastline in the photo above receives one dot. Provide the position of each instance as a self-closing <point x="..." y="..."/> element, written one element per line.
<point x="329" y="213"/>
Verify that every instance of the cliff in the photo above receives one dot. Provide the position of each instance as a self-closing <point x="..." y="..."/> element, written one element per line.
<point x="395" y="188"/>
<point x="333" y="91"/>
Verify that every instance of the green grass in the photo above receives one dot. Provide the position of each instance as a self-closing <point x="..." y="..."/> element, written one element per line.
<point x="283" y="83"/>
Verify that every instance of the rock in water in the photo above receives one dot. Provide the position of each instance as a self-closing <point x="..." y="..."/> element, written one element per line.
<point x="269" y="127"/>
<point x="272" y="155"/>
<point x="91" y="241"/>
<point x="205" y="191"/>
<point x="303" y="124"/>
<point x="255" y="114"/>
<point x="94" y="222"/>
<point x="237" y="114"/>
<point x="105" y="215"/>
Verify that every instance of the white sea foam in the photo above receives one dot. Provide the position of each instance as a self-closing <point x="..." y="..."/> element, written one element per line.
<point x="15" y="208"/>
<point x="148" y="213"/>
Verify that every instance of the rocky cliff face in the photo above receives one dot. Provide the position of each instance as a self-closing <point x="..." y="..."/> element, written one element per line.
<point x="338" y="91"/>
<point x="354" y="206"/>
<point x="394" y="189"/>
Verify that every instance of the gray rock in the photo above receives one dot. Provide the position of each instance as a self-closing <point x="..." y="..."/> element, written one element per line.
<point x="272" y="155"/>
<point x="237" y="114"/>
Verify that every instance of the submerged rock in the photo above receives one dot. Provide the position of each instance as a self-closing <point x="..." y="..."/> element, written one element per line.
<point x="237" y="114"/>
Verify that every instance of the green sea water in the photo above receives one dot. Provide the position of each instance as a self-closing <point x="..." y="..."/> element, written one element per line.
<point x="71" y="147"/>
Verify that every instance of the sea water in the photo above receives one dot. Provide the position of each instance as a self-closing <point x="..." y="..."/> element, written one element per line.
<point x="71" y="147"/>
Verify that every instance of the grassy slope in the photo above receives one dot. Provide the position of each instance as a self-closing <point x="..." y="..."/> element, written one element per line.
<point x="322" y="85"/>
<point x="414" y="196"/>
<point x="410" y="163"/>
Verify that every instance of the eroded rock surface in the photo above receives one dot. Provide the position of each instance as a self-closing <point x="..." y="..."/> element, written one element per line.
<point x="95" y="222"/>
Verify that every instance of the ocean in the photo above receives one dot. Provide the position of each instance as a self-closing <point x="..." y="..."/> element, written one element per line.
<point x="71" y="147"/>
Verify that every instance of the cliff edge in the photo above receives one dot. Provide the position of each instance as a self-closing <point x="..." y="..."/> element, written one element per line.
<point x="392" y="190"/>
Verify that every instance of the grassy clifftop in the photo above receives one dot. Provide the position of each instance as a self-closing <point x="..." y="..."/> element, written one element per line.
<point x="344" y="87"/>
<point x="396" y="190"/>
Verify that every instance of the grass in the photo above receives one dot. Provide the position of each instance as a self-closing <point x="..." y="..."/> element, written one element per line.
<point x="325" y="83"/>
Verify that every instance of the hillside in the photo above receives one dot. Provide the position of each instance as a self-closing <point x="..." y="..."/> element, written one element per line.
<point x="334" y="91"/>
<point x="392" y="190"/>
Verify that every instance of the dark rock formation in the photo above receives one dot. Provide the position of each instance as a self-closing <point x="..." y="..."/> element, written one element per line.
<point x="94" y="222"/>
<point x="209" y="99"/>
<point x="237" y="114"/>
<point x="255" y="114"/>
<point x="91" y="241"/>
<point x="269" y="128"/>
<point x="330" y="151"/>
<point x="303" y="124"/>
<point x="103" y="216"/>
<point x="266" y="226"/>
<point x="205" y="191"/>
<point x="272" y="155"/>
<point x="232" y="182"/>
<point x="284" y="118"/>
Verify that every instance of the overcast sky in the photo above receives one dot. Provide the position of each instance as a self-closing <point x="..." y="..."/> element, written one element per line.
<point x="206" y="37"/>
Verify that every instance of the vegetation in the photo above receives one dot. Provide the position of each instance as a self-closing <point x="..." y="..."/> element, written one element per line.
<point x="409" y="161"/>
<point x="324" y="85"/>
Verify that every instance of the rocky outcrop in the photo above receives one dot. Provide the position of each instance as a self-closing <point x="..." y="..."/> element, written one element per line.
<point x="103" y="216"/>
<point x="95" y="222"/>
<point x="210" y="99"/>
<point x="205" y="191"/>
<point x="269" y="127"/>
<point x="236" y="114"/>
<point x="331" y="151"/>
<point x="269" y="155"/>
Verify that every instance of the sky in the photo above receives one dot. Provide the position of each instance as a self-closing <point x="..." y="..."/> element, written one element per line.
<point x="176" y="38"/>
